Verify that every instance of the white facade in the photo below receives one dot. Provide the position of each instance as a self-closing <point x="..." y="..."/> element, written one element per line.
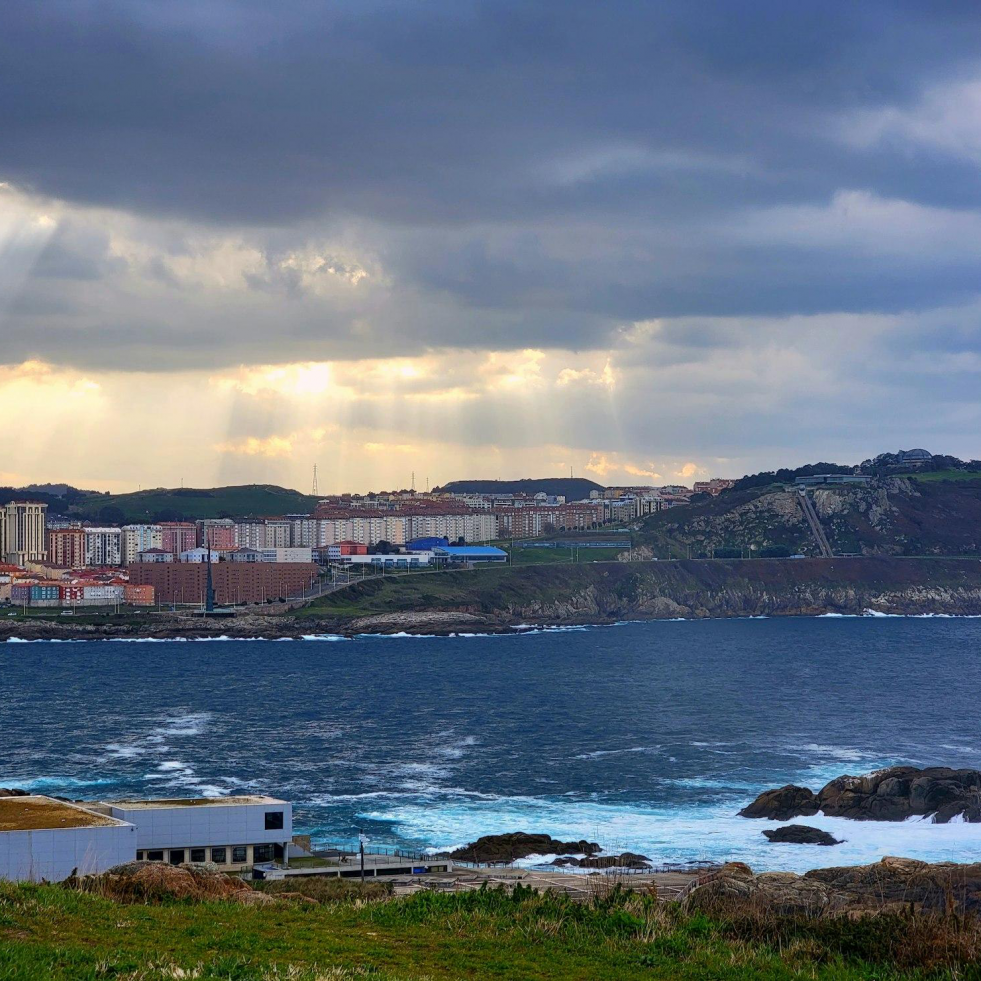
<point x="402" y="560"/>
<point x="286" y="555"/>
<point x="102" y="593"/>
<point x="365" y="529"/>
<point x="31" y="854"/>
<point x="476" y="526"/>
<point x="243" y="830"/>
<point x="139" y="538"/>
<point x="200" y="555"/>
<point x="103" y="546"/>
<point x="250" y="534"/>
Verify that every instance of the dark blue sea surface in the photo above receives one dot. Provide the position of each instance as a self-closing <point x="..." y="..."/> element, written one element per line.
<point x="641" y="736"/>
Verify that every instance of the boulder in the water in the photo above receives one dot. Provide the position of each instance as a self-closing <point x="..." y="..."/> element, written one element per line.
<point x="505" y="848"/>
<point x="800" y="834"/>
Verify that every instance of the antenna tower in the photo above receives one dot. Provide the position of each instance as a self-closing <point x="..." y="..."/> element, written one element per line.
<point x="315" y="491"/>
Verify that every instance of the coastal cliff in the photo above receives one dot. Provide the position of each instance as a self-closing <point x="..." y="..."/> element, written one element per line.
<point x="602" y="592"/>
<point x="607" y="592"/>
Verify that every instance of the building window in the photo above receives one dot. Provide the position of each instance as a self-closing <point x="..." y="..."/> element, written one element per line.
<point x="240" y="854"/>
<point x="197" y="855"/>
<point x="262" y="853"/>
<point x="218" y="856"/>
<point x="176" y="856"/>
<point x="274" y="820"/>
<point x="139" y="856"/>
<point x="154" y="856"/>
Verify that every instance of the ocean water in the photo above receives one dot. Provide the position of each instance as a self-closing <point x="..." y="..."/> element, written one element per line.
<point x="647" y="737"/>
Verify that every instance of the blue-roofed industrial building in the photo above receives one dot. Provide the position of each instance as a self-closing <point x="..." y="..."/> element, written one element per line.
<point x="425" y="544"/>
<point x="462" y="554"/>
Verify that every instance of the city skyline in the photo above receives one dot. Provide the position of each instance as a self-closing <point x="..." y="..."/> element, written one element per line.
<point x="484" y="240"/>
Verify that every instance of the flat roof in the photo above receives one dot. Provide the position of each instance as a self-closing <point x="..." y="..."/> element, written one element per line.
<point x="194" y="802"/>
<point x="36" y="813"/>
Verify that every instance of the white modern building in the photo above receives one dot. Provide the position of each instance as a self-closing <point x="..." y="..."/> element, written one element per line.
<point x="232" y="832"/>
<point x="42" y="838"/>
<point x="399" y="561"/>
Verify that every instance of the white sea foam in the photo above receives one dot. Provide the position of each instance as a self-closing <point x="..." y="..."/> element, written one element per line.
<point x="670" y="834"/>
<point x="600" y="753"/>
<point x="44" y="784"/>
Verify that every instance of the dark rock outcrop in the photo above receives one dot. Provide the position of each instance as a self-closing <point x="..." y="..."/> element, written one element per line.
<point x="800" y="834"/>
<point x="10" y="792"/>
<point x="782" y="804"/>
<point x="520" y="844"/>
<point x="625" y="860"/>
<point x="893" y="794"/>
<point x="894" y="884"/>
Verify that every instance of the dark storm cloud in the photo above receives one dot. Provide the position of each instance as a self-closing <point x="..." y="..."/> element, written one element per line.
<point x="522" y="173"/>
<point x="454" y="111"/>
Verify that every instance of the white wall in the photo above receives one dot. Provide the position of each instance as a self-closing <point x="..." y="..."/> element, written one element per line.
<point x="204" y="824"/>
<point x="52" y="853"/>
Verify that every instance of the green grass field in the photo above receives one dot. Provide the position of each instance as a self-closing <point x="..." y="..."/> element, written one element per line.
<point x="47" y="932"/>
<point x="940" y="476"/>
<point x="551" y="556"/>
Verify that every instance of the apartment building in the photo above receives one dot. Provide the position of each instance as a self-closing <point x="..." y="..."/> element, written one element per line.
<point x="66" y="548"/>
<point x="217" y="532"/>
<point x="178" y="536"/>
<point x="140" y="538"/>
<point x="103" y="546"/>
<point x="22" y="532"/>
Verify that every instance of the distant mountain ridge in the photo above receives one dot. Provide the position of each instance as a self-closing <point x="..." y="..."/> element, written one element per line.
<point x="571" y="488"/>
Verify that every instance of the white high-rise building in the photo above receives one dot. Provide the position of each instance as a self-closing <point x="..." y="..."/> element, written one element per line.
<point x="103" y="546"/>
<point x="22" y="532"/>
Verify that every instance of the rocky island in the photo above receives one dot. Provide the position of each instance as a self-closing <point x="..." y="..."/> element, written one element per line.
<point x="893" y="794"/>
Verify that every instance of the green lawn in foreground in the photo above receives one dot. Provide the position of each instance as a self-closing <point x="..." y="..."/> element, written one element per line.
<point x="47" y="932"/>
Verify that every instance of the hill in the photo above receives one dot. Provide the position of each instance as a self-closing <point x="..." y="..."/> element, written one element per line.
<point x="894" y="515"/>
<point x="161" y="504"/>
<point x="571" y="488"/>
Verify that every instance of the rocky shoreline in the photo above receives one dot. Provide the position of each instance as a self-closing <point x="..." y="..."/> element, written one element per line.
<point x="517" y="599"/>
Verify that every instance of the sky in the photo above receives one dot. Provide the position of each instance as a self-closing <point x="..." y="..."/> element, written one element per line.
<point x="642" y="242"/>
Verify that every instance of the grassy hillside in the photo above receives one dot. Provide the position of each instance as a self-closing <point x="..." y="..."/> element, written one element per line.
<point x="247" y="500"/>
<point x="571" y="488"/>
<point x="53" y="933"/>
<point x="895" y="516"/>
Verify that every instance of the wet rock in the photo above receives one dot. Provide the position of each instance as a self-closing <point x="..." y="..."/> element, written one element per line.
<point x="520" y="844"/>
<point x="893" y="884"/>
<point x="10" y="792"/>
<point x="800" y="834"/>
<point x="782" y="804"/>
<point x="893" y="794"/>
<point x="625" y="860"/>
